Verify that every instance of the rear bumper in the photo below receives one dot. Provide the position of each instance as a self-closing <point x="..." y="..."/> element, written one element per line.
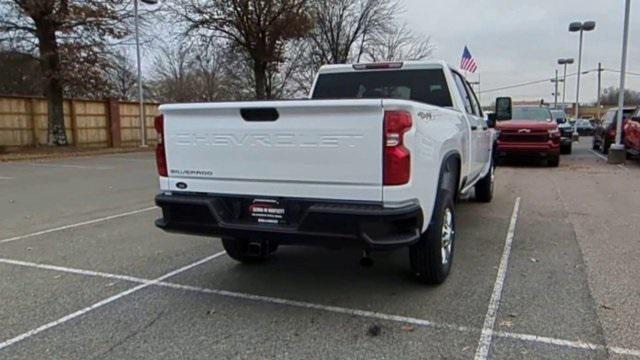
<point x="311" y="223"/>
<point x="542" y="148"/>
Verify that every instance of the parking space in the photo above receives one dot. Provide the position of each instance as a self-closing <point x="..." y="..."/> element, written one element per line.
<point x="85" y="274"/>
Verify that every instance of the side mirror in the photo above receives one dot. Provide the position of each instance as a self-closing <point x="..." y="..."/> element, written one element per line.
<point x="503" y="108"/>
<point x="491" y="120"/>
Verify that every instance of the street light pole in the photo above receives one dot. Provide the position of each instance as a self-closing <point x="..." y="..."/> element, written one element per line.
<point x="143" y="135"/>
<point x="581" y="27"/>
<point x="617" y="153"/>
<point x="599" y="87"/>
<point x="143" y="131"/>
<point x="577" y="114"/>
<point x="564" y="62"/>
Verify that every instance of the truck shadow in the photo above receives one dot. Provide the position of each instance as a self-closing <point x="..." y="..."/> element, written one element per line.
<point x="523" y="161"/>
<point x="335" y="277"/>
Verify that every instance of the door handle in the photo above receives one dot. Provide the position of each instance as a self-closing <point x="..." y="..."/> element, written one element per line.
<point x="474" y="127"/>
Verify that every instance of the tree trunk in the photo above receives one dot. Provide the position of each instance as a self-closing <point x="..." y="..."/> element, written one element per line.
<point x="50" y="64"/>
<point x="260" y="75"/>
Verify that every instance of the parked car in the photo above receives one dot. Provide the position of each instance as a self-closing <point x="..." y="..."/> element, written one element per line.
<point x="532" y="131"/>
<point x="566" y="131"/>
<point x="604" y="134"/>
<point x="376" y="159"/>
<point x="584" y="127"/>
<point x="632" y="133"/>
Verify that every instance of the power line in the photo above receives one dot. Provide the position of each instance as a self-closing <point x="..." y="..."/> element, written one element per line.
<point x="533" y="82"/>
<point x="618" y="71"/>
<point x="541" y="81"/>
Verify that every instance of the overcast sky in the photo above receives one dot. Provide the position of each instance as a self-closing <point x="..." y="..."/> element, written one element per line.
<point x="515" y="41"/>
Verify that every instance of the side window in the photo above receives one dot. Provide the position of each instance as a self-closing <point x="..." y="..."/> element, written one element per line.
<point x="477" y="110"/>
<point x="608" y="117"/>
<point x="463" y="93"/>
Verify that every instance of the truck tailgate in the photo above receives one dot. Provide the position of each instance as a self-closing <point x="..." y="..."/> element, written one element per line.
<point x="329" y="149"/>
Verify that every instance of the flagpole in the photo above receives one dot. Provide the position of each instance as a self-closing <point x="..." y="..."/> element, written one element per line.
<point x="479" y="90"/>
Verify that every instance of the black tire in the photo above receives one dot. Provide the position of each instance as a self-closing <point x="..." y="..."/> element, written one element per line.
<point x="553" y="161"/>
<point x="594" y="144"/>
<point x="484" y="187"/>
<point x="239" y="249"/>
<point x="606" y="144"/>
<point x="566" y="149"/>
<point x="426" y="256"/>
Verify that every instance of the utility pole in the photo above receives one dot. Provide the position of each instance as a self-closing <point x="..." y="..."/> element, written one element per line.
<point x="555" y="93"/>
<point x="599" y="87"/>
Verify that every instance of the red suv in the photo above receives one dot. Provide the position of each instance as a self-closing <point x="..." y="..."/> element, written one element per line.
<point x="531" y="131"/>
<point x="605" y="133"/>
<point x="631" y="133"/>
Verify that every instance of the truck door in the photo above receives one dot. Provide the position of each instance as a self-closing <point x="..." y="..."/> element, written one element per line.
<point x="483" y="151"/>
<point x="476" y="128"/>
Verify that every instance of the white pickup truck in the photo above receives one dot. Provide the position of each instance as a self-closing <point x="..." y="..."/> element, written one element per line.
<point x="376" y="158"/>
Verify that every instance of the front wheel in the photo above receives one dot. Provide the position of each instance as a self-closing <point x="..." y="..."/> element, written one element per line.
<point x="594" y="144"/>
<point x="432" y="255"/>
<point x="484" y="187"/>
<point x="566" y="149"/>
<point x="554" y="161"/>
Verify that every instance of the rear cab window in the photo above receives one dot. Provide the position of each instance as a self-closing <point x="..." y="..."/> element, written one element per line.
<point x="427" y="86"/>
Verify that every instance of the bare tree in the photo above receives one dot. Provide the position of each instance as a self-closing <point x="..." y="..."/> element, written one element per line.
<point x="344" y="28"/>
<point x="191" y="71"/>
<point x="610" y="97"/>
<point x="259" y="28"/>
<point x="50" y="28"/>
<point x="121" y="77"/>
<point x="399" y="43"/>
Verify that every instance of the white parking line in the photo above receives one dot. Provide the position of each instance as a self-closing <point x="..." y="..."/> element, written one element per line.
<point x="484" y="344"/>
<point x="5" y="178"/>
<point x="599" y="155"/>
<point x="106" y="301"/>
<point x="333" y="309"/>
<point x="70" y="226"/>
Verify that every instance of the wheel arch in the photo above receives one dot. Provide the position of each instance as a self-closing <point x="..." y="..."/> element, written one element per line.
<point x="451" y="161"/>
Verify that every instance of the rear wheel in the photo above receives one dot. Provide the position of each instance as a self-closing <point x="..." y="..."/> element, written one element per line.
<point x="594" y="144"/>
<point x="566" y="149"/>
<point x="432" y="255"/>
<point x="247" y="251"/>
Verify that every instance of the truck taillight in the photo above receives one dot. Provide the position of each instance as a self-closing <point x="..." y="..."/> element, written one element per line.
<point x="161" y="156"/>
<point x="397" y="158"/>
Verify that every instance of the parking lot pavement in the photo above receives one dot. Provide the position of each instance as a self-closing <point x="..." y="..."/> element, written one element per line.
<point x="86" y="275"/>
<point x="38" y="195"/>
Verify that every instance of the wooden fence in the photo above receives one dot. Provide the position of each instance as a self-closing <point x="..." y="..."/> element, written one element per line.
<point x="88" y="123"/>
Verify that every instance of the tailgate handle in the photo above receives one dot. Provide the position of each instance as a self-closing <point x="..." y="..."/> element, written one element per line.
<point x="259" y="114"/>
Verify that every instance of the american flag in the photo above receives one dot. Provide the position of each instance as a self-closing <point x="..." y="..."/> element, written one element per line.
<point x="468" y="63"/>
